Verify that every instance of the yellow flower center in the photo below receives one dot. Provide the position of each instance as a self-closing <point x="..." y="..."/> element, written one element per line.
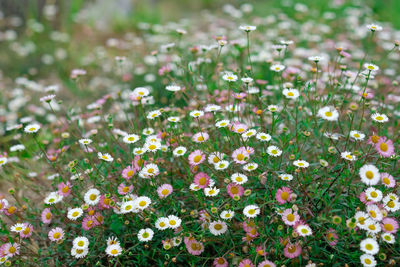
<point x="369" y="174"/>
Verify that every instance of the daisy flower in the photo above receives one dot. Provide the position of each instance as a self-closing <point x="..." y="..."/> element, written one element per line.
<point x="130" y="138"/>
<point x="286" y="177"/>
<point x="18" y="227"/>
<point x="387" y="180"/>
<point x="173" y="88"/>
<point x="328" y="113"/>
<point x="291" y="93"/>
<point x="56" y="234"/>
<point x="316" y="59"/>
<point x="128" y="206"/>
<point x="240" y="155"/>
<point x="239" y="178"/>
<point x="79" y="253"/>
<point x="10" y="250"/>
<point x="196" y="157"/>
<point x="251" y="211"/>
<point x="80" y="242"/>
<point x="369" y="246"/>
<point x="197" y="113"/>
<point x="220" y="262"/>
<point x="277" y="67"/>
<point x="264" y="137"/>
<point x="114" y="250"/>
<point x="174" y="221"/>
<point x="149" y="170"/>
<point x="348" y="156"/>
<point x="292" y="250"/>
<point x="145" y="235"/>
<point x="303" y="230"/>
<point x="173" y="119"/>
<point x="266" y="263"/>
<point x="368" y="260"/>
<point x="3" y="161"/>
<point x="230" y="77"/>
<point x="221" y="124"/>
<point x="369" y="174"/>
<point x="142" y="202"/>
<point x="105" y="156"/>
<point x="222" y="165"/>
<point x="202" y="180"/>
<point x="274" y="151"/>
<point x="289" y="217"/>
<point x="250" y="167"/>
<point x="74" y="213"/>
<point x="374" y="212"/>
<point x="92" y="196"/>
<point x="370" y="67"/>
<point x="247" y="28"/>
<point x="53" y="198"/>
<point x="283" y="195"/>
<point x="153" y="114"/>
<point x="374" y="27"/>
<point x="301" y="163"/>
<point x="234" y="190"/>
<point x="356" y="135"/>
<point x="246" y="135"/>
<point x="218" y="227"/>
<point x="215" y="157"/>
<point x="32" y="128"/>
<point x="227" y="214"/>
<point x="164" y="190"/>
<point x="381" y="118"/>
<point x="211" y="191"/>
<point x="27" y="231"/>
<point x="389" y="225"/>
<point x="374" y="194"/>
<point x="385" y="147"/>
<point x="46" y="216"/>
<point x="179" y="151"/>
<point x="162" y="223"/>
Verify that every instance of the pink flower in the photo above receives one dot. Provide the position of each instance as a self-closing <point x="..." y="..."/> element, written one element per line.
<point x="10" y="250"/>
<point x="389" y="225"/>
<point x="246" y="263"/>
<point x="200" y="137"/>
<point x="128" y="172"/>
<point x="260" y="251"/>
<point x="64" y="189"/>
<point x="266" y="263"/>
<point x="196" y="157"/>
<point x="385" y="147"/>
<point x="124" y="189"/>
<point x="56" y="234"/>
<point x="240" y="155"/>
<point x="164" y="190"/>
<point x="332" y="237"/>
<point x="220" y="262"/>
<point x="238" y="127"/>
<point x="292" y="251"/>
<point x="283" y="195"/>
<point x="202" y="179"/>
<point x="27" y="231"/>
<point x="289" y="217"/>
<point x="234" y="190"/>
<point x="364" y="199"/>
<point x="388" y="180"/>
<point x="250" y="150"/>
<point x="89" y="222"/>
<point x="193" y="246"/>
<point x="46" y="216"/>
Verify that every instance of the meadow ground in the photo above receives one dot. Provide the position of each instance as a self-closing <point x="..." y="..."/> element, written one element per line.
<point x="199" y="133"/>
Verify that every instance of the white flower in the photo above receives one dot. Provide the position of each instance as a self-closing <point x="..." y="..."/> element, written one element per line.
<point x="379" y="117"/>
<point x="80" y="242"/>
<point x="106" y="157"/>
<point x="14" y="148"/>
<point x="179" y="151"/>
<point x="78" y="252"/>
<point x="247" y="28"/>
<point x="239" y="178"/>
<point x="217" y="228"/>
<point x="92" y="196"/>
<point x="391" y="203"/>
<point x="277" y="67"/>
<point x="130" y="138"/>
<point x="356" y="135"/>
<point x="368" y="260"/>
<point x="371" y="67"/>
<point x="291" y="93"/>
<point x="315" y="58"/>
<point x="152" y="146"/>
<point x="374" y="194"/>
<point x="230" y="77"/>
<point x="369" y="246"/>
<point x="374" y="212"/>
<point x="303" y="230"/>
<point x="128" y="206"/>
<point x="85" y="141"/>
<point x="3" y="160"/>
<point x="246" y="135"/>
<point x="247" y="79"/>
<point x="348" y="156"/>
<point x="250" y="167"/>
<point x="264" y="137"/>
<point x="173" y="88"/>
<point x="53" y="198"/>
<point x="227" y="214"/>
<point x="251" y="211"/>
<point x="301" y="163"/>
<point x="153" y="114"/>
<point x="222" y="123"/>
<point x="162" y="223"/>
<point x="148" y="131"/>
<point x="114" y="250"/>
<point x="221" y="165"/>
<point x="145" y="235"/>
<point x="142" y="202"/>
<point x="149" y="170"/>
<point x="328" y="113"/>
<point x="139" y="150"/>
<point x="174" y="221"/>
<point x="212" y="108"/>
<point x="369" y="174"/>
<point x="274" y="151"/>
<point x="286" y="177"/>
<point x="173" y="119"/>
<point x="74" y="213"/>
<point x="32" y="128"/>
<point x="18" y="227"/>
<point x="196" y="113"/>
<point x="211" y="191"/>
<point x="388" y="238"/>
<point x="374" y="27"/>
